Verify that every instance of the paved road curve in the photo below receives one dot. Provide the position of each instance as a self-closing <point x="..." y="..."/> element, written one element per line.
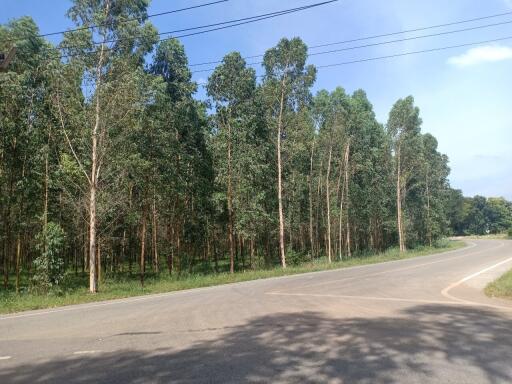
<point x="422" y="320"/>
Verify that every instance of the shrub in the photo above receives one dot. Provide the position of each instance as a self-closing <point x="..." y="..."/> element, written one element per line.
<point x="296" y="258"/>
<point x="510" y="233"/>
<point x="49" y="265"/>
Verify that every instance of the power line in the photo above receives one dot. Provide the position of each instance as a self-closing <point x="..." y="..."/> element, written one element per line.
<point x="376" y="36"/>
<point x="227" y="24"/>
<point x="414" y="52"/>
<point x="384" y="42"/>
<point x="256" y="19"/>
<point x="402" y="54"/>
<point x="129" y="19"/>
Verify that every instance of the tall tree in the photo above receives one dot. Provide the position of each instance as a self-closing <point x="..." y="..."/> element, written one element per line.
<point x="112" y="69"/>
<point x="231" y="86"/>
<point x="404" y="128"/>
<point x="287" y="81"/>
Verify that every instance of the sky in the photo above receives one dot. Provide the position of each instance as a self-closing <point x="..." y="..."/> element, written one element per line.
<point x="464" y="94"/>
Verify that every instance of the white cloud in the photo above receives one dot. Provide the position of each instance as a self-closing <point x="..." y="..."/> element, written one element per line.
<point x="508" y="3"/>
<point x="479" y="55"/>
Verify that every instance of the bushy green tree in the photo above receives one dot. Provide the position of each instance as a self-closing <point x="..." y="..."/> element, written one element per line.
<point x="49" y="265"/>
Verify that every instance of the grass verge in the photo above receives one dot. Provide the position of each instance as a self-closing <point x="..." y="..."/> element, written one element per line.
<point x="118" y="288"/>
<point x="502" y="287"/>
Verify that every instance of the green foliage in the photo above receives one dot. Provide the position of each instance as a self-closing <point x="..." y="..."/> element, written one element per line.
<point x="295" y="258"/>
<point x="479" y="215"/>
<point x="49" y="265"/>
<point x="179" y="175"/>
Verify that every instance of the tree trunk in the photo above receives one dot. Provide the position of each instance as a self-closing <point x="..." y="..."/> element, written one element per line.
<point x="142" y="247"/>
<point x="429" y="226"/>
<point x="328" y="202"/>
<point x="154" y="239"/>
<point x="230" y="208"/>
<point x="399" y="202"/>
<point x="98" y="260"/>
<point x="347" y="178"/>
<point x="340" y="228"/>
<point x="310" y="187"/>
<point x="251" y="260"/>
<point x="279" y="177"/>
<point x="18" y="261"/>
<point x="93" y="282"/>
<point x="170" y="239"/>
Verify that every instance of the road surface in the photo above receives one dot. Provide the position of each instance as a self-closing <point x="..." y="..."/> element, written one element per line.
<point x="422" y="320"/>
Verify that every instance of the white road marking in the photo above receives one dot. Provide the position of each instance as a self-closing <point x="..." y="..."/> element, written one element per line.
<point x="85" y="352"/>
<point x="5" y="357"/>
<point x="446" y="291"/>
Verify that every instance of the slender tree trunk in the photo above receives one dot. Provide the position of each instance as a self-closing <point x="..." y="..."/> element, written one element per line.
<point x="154" y="233"/>
<point x="310" y="187"/>
<point x="18" y="262"/>
<point x="84" y="259"/>
<point x="340" y="228"/>
<point x="279" y="177"/>
<point x="142" y="247"/>
<point x="46" y="179"/>
<point x="122" y="258"/>
<point x="429" y="225"/>
<point x="318" y="210"/>
<point x="328" y="202"/>
<point x="93" y="281"/>
<point x="251" y="261"/>
<point x="230" y="208"/>
<point x="215" y="257"/>
<point x="399" y="202"/>
<point x="170" y="237"/>
<point x="98" y="260"/>
<point x="75" y="260"/>
<point x="347" y="197"/>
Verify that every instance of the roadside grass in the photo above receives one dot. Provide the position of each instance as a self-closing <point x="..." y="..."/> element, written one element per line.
<point x="501" y="287"/>
<point x="117" y="287"/>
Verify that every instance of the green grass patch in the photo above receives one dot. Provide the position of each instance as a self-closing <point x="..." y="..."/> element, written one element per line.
<point x="501" y="287"/>
<point x="123" y="286"/>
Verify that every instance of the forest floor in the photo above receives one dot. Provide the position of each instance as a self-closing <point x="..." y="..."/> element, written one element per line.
<point x="501" y="287"/>
<point x="74" y="289"/>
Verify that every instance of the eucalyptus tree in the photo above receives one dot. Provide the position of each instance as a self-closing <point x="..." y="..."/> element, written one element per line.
<point x="404" y="130"/>
<point x="332" y="114"/>
<point x="232" y="87"/>
<point x="286" y="86"/>
<point x="368" y="176"/>
<point x="435" y="173"/>
<point x="183" y="166"/>
<point x="108" y="47"/>
<point x="24" y="128"/>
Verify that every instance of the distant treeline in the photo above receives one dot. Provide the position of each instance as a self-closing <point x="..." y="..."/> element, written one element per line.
<point x="108" y="162"/>
<point x="479" y="215"/>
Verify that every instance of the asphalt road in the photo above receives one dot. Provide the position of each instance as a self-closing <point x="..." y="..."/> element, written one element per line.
<point x="422" y="320"/>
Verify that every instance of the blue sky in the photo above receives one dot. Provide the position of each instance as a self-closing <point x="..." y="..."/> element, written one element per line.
<point x="464" y="94"/>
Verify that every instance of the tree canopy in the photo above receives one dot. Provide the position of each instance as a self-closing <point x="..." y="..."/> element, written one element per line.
<point x="109" y="163"/>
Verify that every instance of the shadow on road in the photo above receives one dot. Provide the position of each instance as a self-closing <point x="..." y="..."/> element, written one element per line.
<point x="424" y="343"/>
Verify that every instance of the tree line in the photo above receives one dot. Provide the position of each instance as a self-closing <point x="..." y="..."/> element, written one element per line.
<point x="479" y="215"/>
<point x="109" y="164"/>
